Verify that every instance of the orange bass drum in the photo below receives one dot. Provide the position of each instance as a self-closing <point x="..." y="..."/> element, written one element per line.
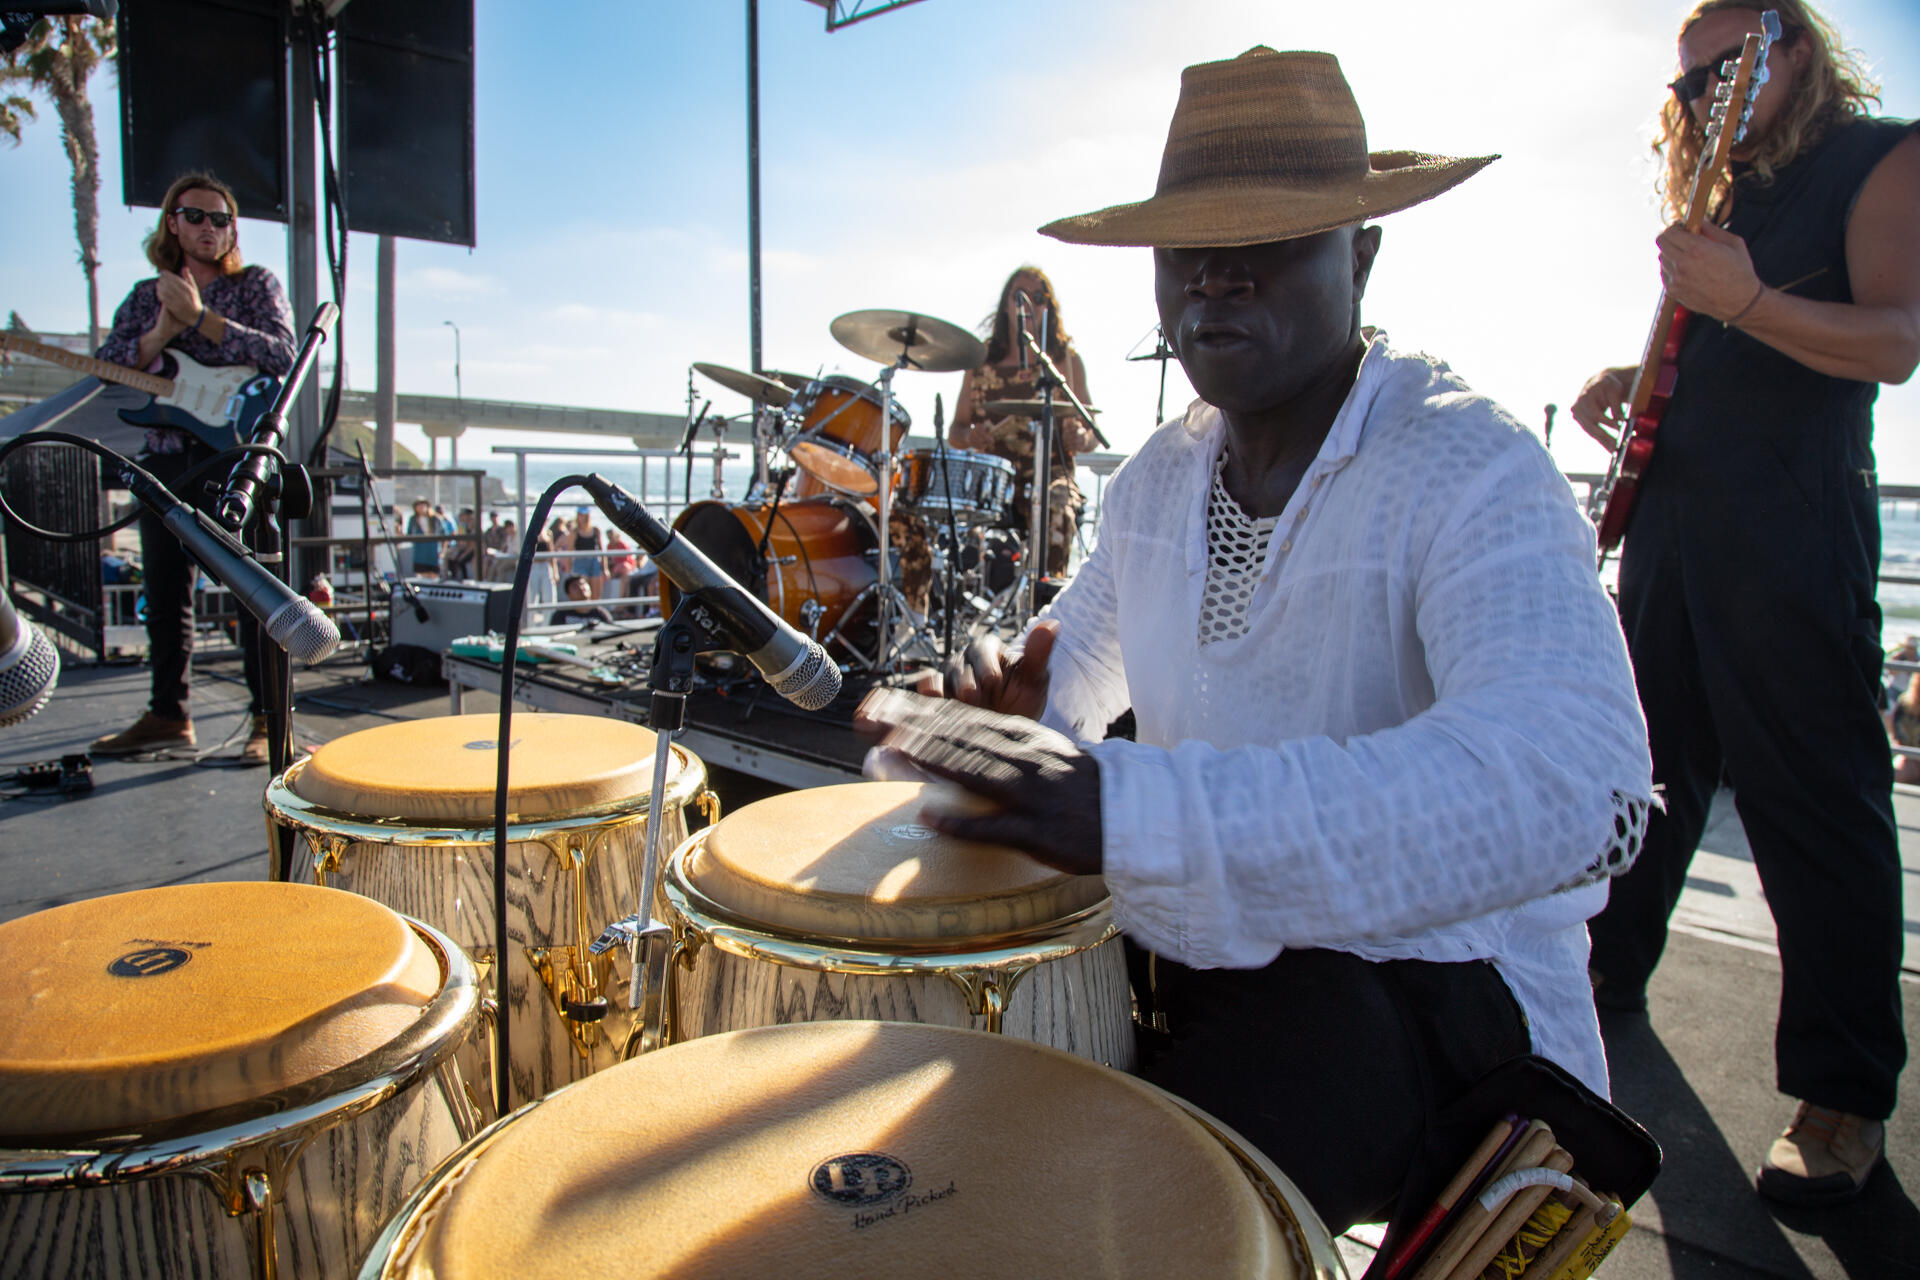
<point x="817" y="570"/>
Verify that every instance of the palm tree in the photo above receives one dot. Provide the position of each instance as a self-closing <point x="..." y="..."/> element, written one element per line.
<point x="58" y="58"/>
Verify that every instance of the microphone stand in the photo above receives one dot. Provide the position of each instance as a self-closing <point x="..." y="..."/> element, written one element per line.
<point x="255" y="500"/>
<point x="1050" y="379"/>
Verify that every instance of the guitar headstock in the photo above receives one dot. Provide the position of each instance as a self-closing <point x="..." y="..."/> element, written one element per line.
<point x="1740" y="82"/>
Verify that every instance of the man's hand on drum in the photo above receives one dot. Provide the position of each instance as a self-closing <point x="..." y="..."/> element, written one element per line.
<point x="1042" y="791"/>
<point x="986" y="675"/>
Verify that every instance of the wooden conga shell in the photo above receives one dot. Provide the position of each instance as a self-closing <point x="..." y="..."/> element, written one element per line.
<point x="192" y="1073"/>
<point x="838" y="903"/>
<point x="403" y="814"/>
<point x="857" y="1149"/>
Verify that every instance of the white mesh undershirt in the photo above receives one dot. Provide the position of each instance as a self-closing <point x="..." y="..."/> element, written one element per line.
<point x="1236" y="553"/>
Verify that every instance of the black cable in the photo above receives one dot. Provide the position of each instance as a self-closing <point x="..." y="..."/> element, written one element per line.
<point x="225" y="457"/>
<point x="509" y="659"/>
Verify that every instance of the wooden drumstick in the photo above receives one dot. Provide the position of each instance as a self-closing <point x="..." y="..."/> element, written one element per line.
<point x="1472" y="1220"/>
<point x="1519" y="1207"/>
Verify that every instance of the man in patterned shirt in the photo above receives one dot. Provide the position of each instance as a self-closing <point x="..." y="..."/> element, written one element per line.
<point x="1387" y="739"/>
<point x="206" y="304"/>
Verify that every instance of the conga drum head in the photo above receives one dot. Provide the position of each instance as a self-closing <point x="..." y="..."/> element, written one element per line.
<point x="443" y="770"/>
<point x="856" y="862"/>
<point x="854" y="1149"/>
<point x="145" y="1007"/>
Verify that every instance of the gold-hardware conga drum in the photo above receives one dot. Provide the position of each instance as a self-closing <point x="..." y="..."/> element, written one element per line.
<point x="857" y="1149"/>
<point x="403" y="813"/>
<point x="837" y="902"/>
<point x="222" y="1080"/>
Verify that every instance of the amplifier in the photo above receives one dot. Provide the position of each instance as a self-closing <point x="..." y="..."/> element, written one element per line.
<point x="454" y="609"/>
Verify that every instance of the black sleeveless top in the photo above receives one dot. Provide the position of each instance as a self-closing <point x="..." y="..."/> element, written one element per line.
<point x="1753" y="439"/>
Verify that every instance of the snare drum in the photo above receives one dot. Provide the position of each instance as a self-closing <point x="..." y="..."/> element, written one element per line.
<point x="403" y="813"/>
<point x="835" y="902"/>
<point x="858" y="1149"/>
<point x="969" y="485"/>
<point x="818" y="570"/>
<point x="839" y="433"/>
<point x="222" y="1080"/>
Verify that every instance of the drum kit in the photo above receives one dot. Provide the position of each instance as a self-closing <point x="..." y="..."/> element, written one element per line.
<point x="810" y="538"/>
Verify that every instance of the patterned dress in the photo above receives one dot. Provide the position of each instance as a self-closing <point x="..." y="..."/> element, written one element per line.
<point x="1013" y="440"/>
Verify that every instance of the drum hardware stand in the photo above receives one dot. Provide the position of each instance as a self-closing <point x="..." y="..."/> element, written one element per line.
<point x="693" y="629"/>
<point x="1163" y="353"/>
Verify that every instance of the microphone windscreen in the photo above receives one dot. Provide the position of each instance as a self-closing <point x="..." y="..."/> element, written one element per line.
<point x="813" y="683"/>
<point x="306" y="633"/>
<point x="28" y="672"/>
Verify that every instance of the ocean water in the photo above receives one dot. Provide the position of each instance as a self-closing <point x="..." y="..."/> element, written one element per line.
<point x="1900" y="557"/>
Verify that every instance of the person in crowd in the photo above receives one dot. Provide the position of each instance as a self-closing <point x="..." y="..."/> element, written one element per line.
<point x="1011" y="373"/>
<point x="1748" y="577"/>
<point x="424" y="529"/>
<point x="578" y="589"/>
<point x="1387" y="745"/>
<point x="460" y="550"/>
<point x="586" y="538"/>
<point x="207" y="304"/>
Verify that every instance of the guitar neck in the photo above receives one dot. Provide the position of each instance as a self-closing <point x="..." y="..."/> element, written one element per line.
<point x="105" y="370"/>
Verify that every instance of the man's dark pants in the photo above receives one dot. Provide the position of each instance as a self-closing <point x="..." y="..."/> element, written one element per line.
<point x="169" y="576"/>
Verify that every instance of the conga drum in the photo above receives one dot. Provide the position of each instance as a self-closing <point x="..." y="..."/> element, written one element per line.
<point x="857" y="1149"/>
<point x="222" y="1080"/>
<point x="403" y="813"/>
<point x="837" y="902"/>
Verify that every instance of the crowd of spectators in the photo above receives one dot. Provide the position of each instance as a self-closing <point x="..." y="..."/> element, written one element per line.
<point x="592" y="564"/>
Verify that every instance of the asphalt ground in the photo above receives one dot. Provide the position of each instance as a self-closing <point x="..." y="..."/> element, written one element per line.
<point x="1696" y="1069"/>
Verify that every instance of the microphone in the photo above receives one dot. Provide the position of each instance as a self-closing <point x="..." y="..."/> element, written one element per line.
<point x="1025" y="304"/>
<point x="29" y="665"/>
<point x="797" y="668"/>
<point x="293" y="621"/>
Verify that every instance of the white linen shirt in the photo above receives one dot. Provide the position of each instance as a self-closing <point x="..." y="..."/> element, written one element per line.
<point x="1428" y="729"/>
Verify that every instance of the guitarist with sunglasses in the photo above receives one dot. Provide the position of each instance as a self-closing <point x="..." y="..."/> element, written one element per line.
<point x="206" y="304"/>
<point x="1747" y="583"/>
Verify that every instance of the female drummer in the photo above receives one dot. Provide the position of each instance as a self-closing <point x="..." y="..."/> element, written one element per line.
<point x="1011" y="373"/>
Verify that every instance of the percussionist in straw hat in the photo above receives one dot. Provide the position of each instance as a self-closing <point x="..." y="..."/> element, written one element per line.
<point x="1388" y="747"/>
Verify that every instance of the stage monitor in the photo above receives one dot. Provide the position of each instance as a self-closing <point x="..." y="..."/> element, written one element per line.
<point x="406" y="118"/>
<point x="203" y="85"/>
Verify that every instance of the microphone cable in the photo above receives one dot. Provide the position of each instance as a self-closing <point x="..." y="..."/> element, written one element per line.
<point x="224" y="458"/>
<point x="503" y="741"/>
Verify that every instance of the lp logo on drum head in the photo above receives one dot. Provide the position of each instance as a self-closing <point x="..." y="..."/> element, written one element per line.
<point x="864" y="1177"/>
<point x="149" y="963"/>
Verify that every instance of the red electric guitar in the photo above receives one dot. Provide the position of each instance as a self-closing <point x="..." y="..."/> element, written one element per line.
<point x="1611" y="505"/>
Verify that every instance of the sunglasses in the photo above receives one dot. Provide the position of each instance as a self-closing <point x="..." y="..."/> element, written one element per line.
<point x="195" y="217"/>
<point x="1694" y="83"/>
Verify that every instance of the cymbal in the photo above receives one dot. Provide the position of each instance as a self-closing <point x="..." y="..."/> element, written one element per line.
<point x="1028" y="408"/>
<point x="751" y="385"/>
<point x="795" y="380"/>
<point x="930" y="345"/>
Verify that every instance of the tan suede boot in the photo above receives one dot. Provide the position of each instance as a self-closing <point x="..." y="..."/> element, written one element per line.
<point x="1824" y="1157"/>
<point x="255" y="750"/>
<point x="149" y="733"/>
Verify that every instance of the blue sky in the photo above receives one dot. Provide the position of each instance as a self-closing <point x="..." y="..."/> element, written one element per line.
<point x="906" y="161"/>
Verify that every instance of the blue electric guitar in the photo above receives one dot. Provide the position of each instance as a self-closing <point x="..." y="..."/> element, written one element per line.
<point x="217" y="405"/>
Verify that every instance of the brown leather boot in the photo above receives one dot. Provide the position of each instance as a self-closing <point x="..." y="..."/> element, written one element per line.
<point x="255" y="750"/>
<point x="149" y="733"/>
<point x="1825" y="1157"/>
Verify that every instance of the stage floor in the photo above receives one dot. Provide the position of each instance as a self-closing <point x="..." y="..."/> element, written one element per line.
<point x="1698" y="1072"/>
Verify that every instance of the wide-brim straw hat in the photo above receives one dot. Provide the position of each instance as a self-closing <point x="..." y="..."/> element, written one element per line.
<point x="1267" y="146"/>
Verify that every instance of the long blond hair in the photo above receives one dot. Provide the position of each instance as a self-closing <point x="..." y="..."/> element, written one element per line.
<point x="1835" y="87"/>
<point x="163" y="247"/>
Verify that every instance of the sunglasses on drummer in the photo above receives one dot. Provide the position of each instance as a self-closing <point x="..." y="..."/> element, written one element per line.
<point x="195" y="217"/>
